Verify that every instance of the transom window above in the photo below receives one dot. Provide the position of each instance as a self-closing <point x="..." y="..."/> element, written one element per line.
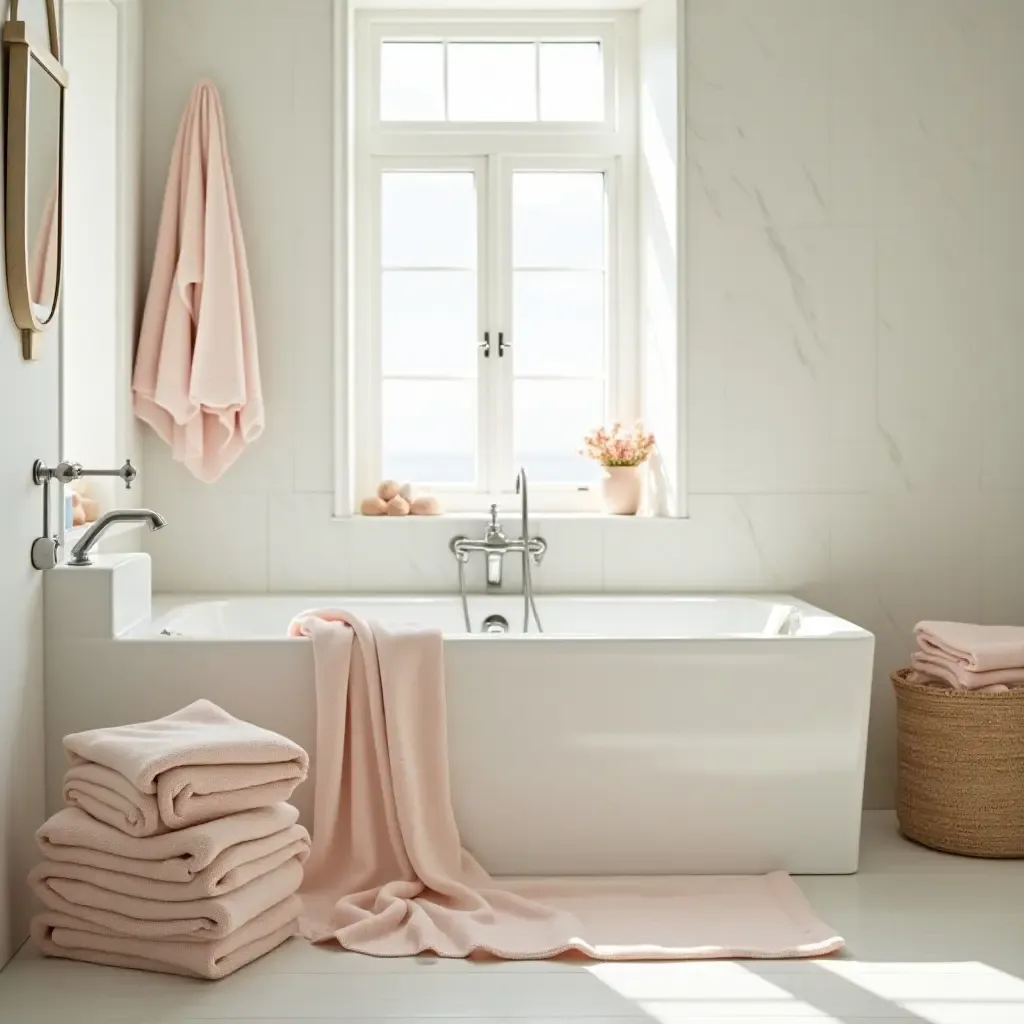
<point x="490" y="80"/>
<point x="495" y="319"/>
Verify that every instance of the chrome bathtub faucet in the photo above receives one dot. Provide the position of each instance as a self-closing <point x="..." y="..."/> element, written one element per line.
<point x="495" y="546"/>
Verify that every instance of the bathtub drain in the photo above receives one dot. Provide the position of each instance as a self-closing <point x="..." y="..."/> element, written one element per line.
<point x="494" y="624"/>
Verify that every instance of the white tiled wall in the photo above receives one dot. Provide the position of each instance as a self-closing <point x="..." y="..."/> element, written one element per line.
<point x="855" y="308"/>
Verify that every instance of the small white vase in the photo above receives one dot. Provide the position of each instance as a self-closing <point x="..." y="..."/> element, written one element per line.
<point x="622" y="490"/>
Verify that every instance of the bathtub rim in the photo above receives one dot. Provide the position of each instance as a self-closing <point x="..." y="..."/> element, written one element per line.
<point x="165" y="602"/>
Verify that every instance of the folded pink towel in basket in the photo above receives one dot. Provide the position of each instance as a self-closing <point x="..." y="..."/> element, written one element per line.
<point x="941" y="669"/>
<point x="62" y="935"/>
<point x="199" y="763"/>
<point x="971" y="647"/>
<point x="201" y="920"/>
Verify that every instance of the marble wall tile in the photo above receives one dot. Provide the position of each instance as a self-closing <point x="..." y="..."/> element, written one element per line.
<point x="756" y="331"/>
<point x="713" y="549"/>
<point x="409" y="554"/>
<point x="730" y="542"/>
<point x="1002" y="555"/>
<point x="307" y="550"/>
<point x="933" y="337"/>
<point x="897" y="559"/>
<point x="214" y="542"/>
<point x="576" y="551"/>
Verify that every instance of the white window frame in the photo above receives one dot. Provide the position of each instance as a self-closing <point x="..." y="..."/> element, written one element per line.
<point x="493" y="151"/>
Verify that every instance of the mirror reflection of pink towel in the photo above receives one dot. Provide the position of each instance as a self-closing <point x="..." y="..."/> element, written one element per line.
<point x="197" y="380"/>
<point x="42" y="264"/>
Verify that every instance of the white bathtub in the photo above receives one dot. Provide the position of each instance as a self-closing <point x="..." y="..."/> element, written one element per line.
<point x="639" y="735"/>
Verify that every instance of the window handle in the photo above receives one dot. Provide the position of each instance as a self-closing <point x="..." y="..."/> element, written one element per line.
<point x="486" y="344"/>
<point x="502" y="344"/>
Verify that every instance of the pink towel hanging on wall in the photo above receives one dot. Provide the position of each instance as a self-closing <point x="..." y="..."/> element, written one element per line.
<point x="197" y="378"/>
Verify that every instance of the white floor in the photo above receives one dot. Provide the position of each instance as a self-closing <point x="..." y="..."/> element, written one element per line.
<point x="931" y="939"/>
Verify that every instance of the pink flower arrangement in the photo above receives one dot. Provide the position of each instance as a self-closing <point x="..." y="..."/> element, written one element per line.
<point x="618" y="448"/>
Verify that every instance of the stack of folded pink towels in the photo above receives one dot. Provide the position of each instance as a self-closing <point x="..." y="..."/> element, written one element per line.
<point x="176" y="852"/>
<point x="964" y="656"/>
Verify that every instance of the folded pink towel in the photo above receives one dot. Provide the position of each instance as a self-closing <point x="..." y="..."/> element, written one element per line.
<point x="199" y="763"/>
<point x="230" y="871"/>
<point x="61" y="935"/>
<point x="941" y="668"/>
<point x="109" y="797"/>
<point x="388" y="875"/>
<point x="200" y="920"/>
<point x="212" y="849"/>
<point x="973" y="648"/>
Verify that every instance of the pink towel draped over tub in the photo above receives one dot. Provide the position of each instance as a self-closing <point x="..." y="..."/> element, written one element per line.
<point x="387" y="874"/>
<point x="197" y="378"/>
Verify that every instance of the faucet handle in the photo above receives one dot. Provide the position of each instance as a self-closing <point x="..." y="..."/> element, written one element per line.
<point x="66" y="472"/>
<point x="494" y="516"/>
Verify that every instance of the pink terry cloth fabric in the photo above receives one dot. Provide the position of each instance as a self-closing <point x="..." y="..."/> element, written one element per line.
<point x="200" y="920"/>
<point x="234" y="868"/>
<point x="211" y="850"/>
<point x="971" y="647"/>
<point x="71" y="938"/>
<point x="109" y="797"/>
<point x="197" y="378"/>
<point x="199" y="763"/>
<point x="43" y="264"/>
<point x="938" y="667"/>
<point x="387" y="874"/>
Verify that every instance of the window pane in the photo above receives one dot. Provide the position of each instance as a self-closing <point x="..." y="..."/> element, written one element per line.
<point x="558" y="322"/>
<point x="428" y="322"/>
<point x="412" y="81"/>
<point x="492" y="82"/>
<point x="558" y="219"/>
<point x="429" y="431"/>
<point x="571" y="82"/>
<point x="428" y="219"/>
<point x="551" y="419"/>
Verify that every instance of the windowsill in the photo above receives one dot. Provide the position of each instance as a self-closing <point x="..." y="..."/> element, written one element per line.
<point x="513" y="513"/>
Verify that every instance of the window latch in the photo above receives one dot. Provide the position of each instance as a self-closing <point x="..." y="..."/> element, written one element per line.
<point x="503" y="345"/>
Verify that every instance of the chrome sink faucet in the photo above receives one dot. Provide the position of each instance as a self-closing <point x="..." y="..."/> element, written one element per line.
<point x="80" y="552"/>
<point x="45" y="552"/>
<point x="67" y="472"/>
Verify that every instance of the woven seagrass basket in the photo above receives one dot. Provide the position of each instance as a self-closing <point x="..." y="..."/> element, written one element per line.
<point x="960" y="783"/>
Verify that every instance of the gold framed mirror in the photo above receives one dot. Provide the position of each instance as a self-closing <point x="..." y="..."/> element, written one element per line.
<point x="34" y="212"/>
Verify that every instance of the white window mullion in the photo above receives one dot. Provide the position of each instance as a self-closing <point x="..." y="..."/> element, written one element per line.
<point x="368" y="366"/>
<point x="623" y="293"/>
<point x="504" y="365"/>
<point x="485" y="326"/>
